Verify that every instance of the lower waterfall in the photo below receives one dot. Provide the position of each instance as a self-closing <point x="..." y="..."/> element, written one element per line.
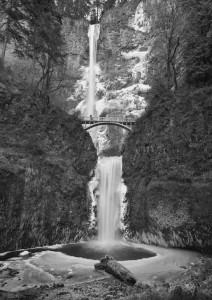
<point x="109" y="203"/>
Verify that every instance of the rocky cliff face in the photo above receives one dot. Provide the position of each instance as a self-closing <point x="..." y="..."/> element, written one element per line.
<point x="121" y="68"/>
<point x="120" y="58"/>
<point x="167" y="169"/>
<point x="76" y="43"/>
<point x="45" y="163"/>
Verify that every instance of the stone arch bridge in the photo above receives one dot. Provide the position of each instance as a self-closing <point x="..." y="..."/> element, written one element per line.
<point x="124" y="122"/>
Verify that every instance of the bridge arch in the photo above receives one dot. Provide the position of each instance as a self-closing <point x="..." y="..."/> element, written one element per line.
<point x="108" y="123"/>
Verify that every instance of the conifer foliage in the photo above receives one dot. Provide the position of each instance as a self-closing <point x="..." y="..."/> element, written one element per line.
<point x="197" y="47"/>
<point x="10" y="24"/>
<point x="34" y="28"/>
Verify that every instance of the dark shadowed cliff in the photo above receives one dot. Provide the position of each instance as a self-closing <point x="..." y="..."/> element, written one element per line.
<point x="45" y="163"/>
<point x="167" y="169"/>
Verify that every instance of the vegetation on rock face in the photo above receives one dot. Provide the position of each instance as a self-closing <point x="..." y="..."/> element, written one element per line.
<point x="46" y="160"/>
<point x="168" y="157"/>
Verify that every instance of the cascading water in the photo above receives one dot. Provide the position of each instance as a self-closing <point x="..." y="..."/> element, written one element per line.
<point x="93" y="35"/>
<point x="109" y="204"/>
<point x="110" y="169"/>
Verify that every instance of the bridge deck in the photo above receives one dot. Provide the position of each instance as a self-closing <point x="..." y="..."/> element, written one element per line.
<point x="120" y="120"/>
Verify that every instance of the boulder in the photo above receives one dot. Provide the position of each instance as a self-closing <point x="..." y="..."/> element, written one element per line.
<point x="111" y="266"/>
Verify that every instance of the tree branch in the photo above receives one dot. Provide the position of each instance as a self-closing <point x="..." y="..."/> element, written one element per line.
<point x="175" y="49"/>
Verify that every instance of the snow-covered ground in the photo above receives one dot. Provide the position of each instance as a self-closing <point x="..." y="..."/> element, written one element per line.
<point x="50" y="267"/>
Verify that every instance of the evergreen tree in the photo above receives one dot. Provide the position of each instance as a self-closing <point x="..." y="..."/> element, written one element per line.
<point x="197" y="46"/>
<point x="11" y="26"/>
<point x="41" y="36"/>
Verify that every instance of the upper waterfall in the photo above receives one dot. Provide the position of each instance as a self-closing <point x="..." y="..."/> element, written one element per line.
<point x="93" y="35"/>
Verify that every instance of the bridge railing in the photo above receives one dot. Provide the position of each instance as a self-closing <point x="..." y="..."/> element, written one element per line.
<point x="108" y="119"/>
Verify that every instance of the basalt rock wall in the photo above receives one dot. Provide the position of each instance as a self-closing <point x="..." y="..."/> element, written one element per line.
<point x="167" y="169"/>
<point x="76" y="43"/>
<point x="46" y="161"/>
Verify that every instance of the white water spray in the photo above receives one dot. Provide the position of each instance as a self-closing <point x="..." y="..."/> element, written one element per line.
<point x="109" y="204"/>
<point x="93" y="35"/>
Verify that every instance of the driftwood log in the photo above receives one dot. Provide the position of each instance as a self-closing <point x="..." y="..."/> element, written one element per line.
<point x="111" y="266"/>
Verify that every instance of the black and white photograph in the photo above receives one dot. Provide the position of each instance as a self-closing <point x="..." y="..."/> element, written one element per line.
<point x="105" y="149"/>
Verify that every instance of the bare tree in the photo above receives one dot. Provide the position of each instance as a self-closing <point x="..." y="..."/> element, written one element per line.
<point x="166" y="23"/>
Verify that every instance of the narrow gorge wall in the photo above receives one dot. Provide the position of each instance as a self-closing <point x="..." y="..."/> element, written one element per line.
<point x="167" y="169"/>
<point x="45" y="163"/>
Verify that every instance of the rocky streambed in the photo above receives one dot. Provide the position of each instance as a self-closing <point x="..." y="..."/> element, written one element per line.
<point x="171" y="274"/>
<point x="195" y="285"/>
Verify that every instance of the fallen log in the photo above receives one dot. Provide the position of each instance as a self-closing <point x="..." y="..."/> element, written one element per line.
<point x="112" y="267"/>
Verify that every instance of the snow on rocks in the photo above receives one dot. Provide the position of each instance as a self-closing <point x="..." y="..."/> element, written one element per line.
<point x="24" y="253"/>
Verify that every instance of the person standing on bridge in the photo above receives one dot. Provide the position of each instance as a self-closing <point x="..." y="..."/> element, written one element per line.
<point x="91" y="117"/>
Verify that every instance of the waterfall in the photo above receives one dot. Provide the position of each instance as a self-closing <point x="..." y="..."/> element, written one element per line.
<point x="93" y="35"/>
<point x="108" y="194"/>
<point x="109" y="204"/>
